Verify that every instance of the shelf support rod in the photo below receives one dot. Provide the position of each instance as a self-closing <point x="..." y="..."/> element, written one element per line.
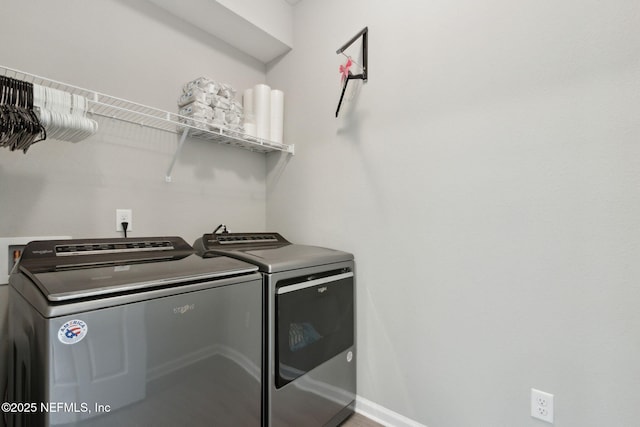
<point x="183" y="138"/>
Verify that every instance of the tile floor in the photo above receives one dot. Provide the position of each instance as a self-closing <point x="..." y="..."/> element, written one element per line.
<point x="357" y="420"/>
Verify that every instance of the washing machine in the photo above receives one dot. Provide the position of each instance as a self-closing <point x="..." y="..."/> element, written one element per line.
<point x="133" y="332"/>
<point x="309" y="375"/>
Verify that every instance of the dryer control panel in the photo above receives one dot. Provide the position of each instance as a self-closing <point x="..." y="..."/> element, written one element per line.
<point x="239" y="240"/>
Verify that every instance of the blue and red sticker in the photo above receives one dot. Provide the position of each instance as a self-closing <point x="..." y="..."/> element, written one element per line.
<point x="72" y="332"/>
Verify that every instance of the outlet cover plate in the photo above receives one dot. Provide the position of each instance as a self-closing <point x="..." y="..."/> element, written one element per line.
<point x="124" y="215"/>
<point x="542" y="405"/>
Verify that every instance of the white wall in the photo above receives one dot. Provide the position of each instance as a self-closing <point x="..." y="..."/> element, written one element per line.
<point x="136" y="51"/>
<point x="487" y="180"/>
<point x="273" y="16"/>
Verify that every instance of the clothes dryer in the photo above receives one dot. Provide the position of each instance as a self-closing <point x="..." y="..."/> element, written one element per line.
<point x="309" y="375"/>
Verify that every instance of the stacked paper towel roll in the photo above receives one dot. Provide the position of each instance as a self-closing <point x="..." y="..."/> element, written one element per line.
<point x="262" y="110"/>
<point x="277" y="116"/>
<point x="264" y="113"/>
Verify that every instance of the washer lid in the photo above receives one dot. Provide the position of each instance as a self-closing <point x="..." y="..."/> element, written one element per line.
<point x="289" y="257"/>
<point x="71" y="270"/>
<point x="269" y="251"/>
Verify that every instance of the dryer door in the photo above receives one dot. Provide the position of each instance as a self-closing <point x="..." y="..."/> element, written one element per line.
<point x="314" y="322"/>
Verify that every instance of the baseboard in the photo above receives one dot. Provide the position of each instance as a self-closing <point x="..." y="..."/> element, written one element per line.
<point x="382" y="415"/>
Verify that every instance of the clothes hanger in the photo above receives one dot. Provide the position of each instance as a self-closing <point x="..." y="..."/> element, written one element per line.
<point x="20" y="127"/>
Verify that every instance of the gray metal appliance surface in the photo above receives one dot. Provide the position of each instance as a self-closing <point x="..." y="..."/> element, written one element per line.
<point x="310" y="364"/>
<point x="133" y="332"/>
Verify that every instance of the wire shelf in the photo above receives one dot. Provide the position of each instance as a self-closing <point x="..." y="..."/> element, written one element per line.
<point x="120" y="109"/>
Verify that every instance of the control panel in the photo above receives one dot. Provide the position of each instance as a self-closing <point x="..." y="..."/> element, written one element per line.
<point x="246" y="238"/>
<point x="113" y="248"/>
<point x="52" y="255"/>
<point x="243" y="240"/>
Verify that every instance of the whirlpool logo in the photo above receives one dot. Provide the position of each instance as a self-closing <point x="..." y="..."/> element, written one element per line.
<point x="183" y="309"/>
<point x="42" y="252"/>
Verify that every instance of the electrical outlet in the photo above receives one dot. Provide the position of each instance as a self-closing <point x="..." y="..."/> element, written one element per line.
<point x="542" y="405"/>
<point x="124" y="215"/>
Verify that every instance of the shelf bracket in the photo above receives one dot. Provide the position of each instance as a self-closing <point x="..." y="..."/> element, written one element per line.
<point x="183" y="138"/>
